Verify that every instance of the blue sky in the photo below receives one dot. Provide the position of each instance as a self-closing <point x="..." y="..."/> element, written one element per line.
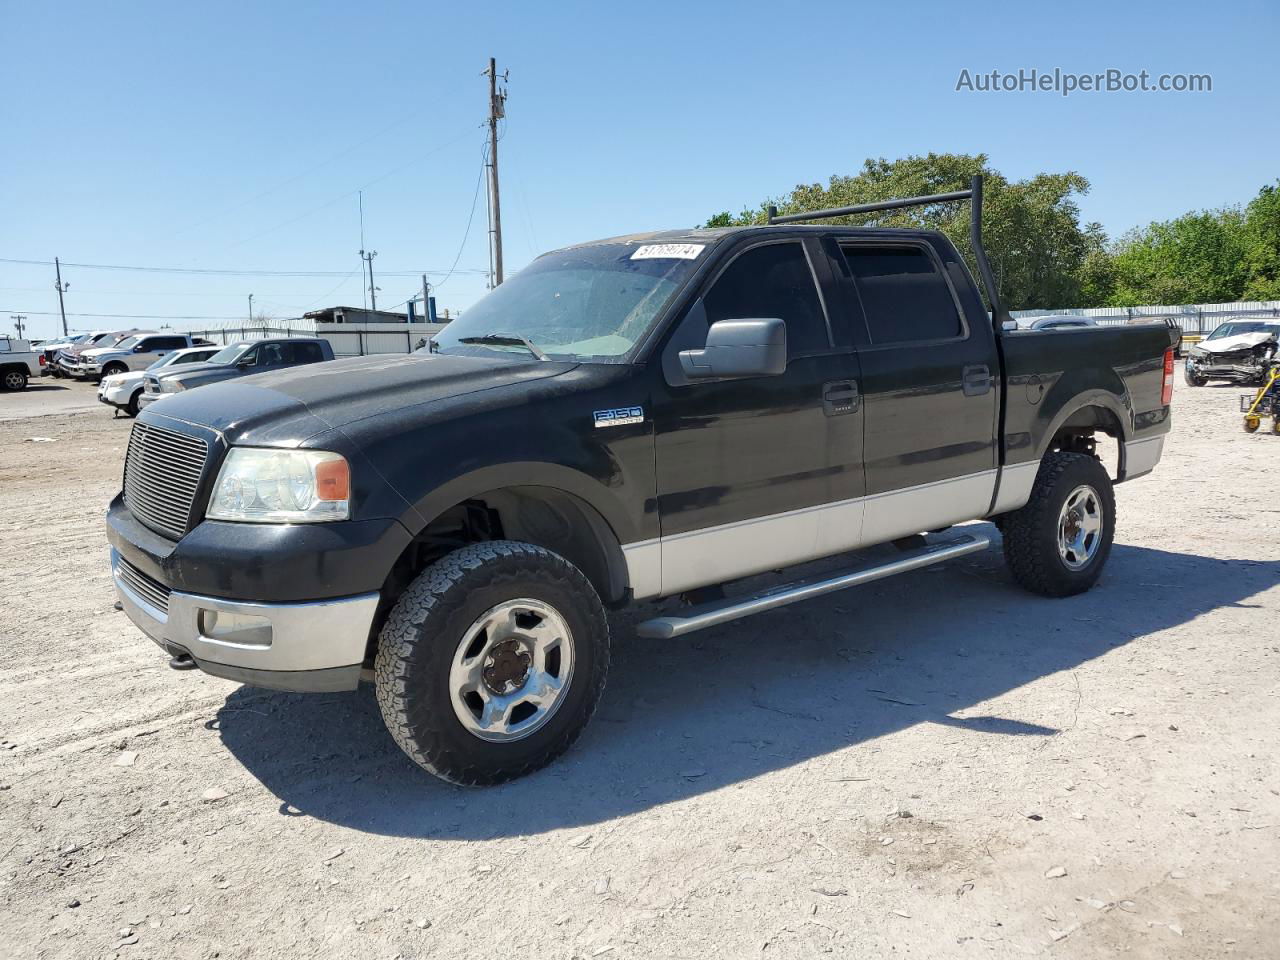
<point x="234" y="136"/>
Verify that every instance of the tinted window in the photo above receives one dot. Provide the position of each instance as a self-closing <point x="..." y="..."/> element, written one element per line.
<point x="271" y="355"/>
<point x="903" y="295"/>
<point x="773" y="281"/>
<point x="304" y="353"/>
<point x="166" y="343"/>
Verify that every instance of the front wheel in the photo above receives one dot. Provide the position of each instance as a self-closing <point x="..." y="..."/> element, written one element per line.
<point x="1059" y="542"/>
<point x="1194" y="379"/>
<point x="131" y="408"/>
<point x="492" y="662"/>
<point x="113" y="368"/>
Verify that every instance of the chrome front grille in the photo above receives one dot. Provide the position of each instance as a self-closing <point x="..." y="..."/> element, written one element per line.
<point x="148" y="588"/>
<point x="162" y="470"/>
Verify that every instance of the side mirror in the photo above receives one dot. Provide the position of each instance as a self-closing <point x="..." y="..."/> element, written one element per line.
<point x="739" y="348"/>
<point x="138" y="349"/>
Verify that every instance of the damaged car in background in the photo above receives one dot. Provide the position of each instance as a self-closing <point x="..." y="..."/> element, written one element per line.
<point x="1239" y="351"/>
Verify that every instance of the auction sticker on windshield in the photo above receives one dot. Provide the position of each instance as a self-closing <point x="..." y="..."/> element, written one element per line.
<point x="669" y="251"/>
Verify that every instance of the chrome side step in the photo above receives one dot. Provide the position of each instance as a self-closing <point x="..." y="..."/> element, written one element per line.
<point x="723" y="611"/>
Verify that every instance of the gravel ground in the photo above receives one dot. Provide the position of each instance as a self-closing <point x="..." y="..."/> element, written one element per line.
<point x="985" y="773"/>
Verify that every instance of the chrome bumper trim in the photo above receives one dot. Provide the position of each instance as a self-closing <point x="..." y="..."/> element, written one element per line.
<point x="317" y="635"/>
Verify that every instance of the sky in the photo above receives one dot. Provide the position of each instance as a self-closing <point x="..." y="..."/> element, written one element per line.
<point x="236" y="137"/>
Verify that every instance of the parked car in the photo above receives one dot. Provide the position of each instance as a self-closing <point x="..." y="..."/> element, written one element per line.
<point x="240" y="359"/>
<point x="122" y="390"/>
<point x="1057" y="321"/>
<point x="68" y="359"/>
<point x="132" y="353"/>
<point x="50" y="349"/>
<point x="1238" y="351"/>
<point x="624" y="420"/>
<point x="18" y="363"/>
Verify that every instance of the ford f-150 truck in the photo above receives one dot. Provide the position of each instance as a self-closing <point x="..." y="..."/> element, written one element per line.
<point x="650" y="416"/>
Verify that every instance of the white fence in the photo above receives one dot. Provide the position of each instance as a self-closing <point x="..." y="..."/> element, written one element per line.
<point x="1193" y="318"/>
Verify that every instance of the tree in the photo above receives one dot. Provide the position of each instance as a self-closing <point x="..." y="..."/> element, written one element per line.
<point x="1196" y="258"/>
<point x="1262" y="245"/>
<point x="1031" y="228"/>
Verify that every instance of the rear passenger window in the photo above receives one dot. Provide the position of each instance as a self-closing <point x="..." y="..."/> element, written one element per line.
<point x="773" y="281"/>
<point x="903" y="295"/>
<point x="305" y="353"/>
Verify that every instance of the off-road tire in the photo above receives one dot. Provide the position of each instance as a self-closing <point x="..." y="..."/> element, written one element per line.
<point x="1031" y="533"/>
<point x="418" y="642"/>
<point x="15" y="379"/>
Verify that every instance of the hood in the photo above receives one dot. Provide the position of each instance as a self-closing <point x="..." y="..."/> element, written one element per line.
<point x="119" y="379"/>
<point x="94" y="353"/>
<point x="1241" y="341"/>
<point x="198" y="370"/>
<point x="300" y="401"/>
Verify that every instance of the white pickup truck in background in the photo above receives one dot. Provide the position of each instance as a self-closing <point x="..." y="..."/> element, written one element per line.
<point x="18" y="363"/>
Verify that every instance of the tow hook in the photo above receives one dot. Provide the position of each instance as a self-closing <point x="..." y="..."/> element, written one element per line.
<point x="183" y="661"/>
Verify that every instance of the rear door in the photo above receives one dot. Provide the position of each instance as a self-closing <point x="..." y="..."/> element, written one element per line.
<point x="759" y="473"/>
<point x="151" y="349"/>
<point x="928" y="384"/>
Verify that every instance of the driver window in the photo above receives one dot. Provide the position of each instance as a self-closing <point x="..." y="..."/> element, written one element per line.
<point x="773" y="280"/>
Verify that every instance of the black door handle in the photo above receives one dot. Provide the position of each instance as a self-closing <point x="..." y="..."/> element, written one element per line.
<point x="840" y="397"/>
<point x="977" y="380"/>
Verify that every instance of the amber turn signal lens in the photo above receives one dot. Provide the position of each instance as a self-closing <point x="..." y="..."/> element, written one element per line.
<point x="333" y="480"/>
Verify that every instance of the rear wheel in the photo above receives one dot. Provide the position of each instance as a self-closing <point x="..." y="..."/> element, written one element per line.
<point x="14" y="379"/>
<point x="1059" y="542"/>
<point x="492" y="662"/>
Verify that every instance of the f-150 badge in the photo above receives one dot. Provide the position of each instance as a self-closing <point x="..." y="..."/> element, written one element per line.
<point x="618" y="416"/>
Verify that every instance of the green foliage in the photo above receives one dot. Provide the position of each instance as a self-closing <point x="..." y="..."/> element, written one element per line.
<point x="1031" y="228"/>
<point x="1041" y="254"/>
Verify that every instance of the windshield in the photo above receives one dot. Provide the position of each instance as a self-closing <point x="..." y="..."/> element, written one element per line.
<point x="126" y="343"/>
<point x="591" y="304"/>
<point x="1235" y="329"/>
<point x="228" y="354"/>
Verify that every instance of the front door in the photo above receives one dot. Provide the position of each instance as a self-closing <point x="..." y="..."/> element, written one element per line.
<point x="755" y="474"/>
<point x="929" y="372"/>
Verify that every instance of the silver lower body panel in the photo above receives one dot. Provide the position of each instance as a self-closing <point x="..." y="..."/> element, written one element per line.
<point x="318" y="645"/>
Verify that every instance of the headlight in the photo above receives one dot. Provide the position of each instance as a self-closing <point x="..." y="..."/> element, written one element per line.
<point x="281" y="486"/>
<point x="171" y="386"/>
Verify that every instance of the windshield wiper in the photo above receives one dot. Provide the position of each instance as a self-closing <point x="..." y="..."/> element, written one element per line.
<point x="507" y="340"/>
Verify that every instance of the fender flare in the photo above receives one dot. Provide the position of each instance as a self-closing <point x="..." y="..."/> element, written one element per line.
<point x="1104" y="399"/>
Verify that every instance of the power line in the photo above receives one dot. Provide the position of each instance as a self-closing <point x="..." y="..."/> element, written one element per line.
<point x="484" y="163"/>
<point x="132" y="316"/>
<point x="229" y="273"/>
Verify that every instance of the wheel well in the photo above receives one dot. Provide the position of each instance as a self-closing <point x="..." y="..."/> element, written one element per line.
<point x="545" y="516"/>
<point x="1078" y="434"/>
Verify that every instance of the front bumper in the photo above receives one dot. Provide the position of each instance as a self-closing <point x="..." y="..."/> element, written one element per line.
<point x="315" y="646"/>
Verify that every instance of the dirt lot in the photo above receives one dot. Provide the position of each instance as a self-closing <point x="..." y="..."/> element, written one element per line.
<point x="939" y="765"/>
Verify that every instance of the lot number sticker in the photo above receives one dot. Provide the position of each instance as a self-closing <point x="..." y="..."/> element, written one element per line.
<point x="669" y="251"/>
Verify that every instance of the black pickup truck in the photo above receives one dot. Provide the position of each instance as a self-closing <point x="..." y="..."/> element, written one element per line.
<point x="651" y="416"/>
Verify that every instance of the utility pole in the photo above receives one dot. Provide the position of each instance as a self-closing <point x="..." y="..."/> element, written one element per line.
<point x="62" y="288"/>
<point x="251" y="309"/>
<point x="373" y="291"/>
<point x="17" y="319"/>
<point x="426" y="300"/>
<point x="497" y="110"/>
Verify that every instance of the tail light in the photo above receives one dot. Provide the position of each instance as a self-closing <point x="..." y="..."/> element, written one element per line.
<point x="42" y="360"/>
<point x="1166" y="393"/>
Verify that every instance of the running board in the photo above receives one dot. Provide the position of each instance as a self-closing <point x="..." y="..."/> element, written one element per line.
<point x="723" y="611"/>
